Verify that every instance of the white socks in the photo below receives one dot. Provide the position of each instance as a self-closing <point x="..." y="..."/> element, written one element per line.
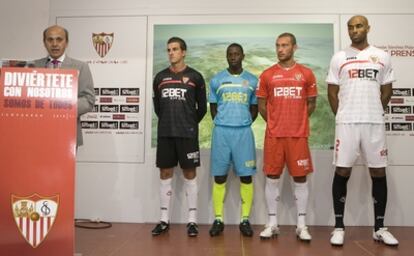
<point x="301" y="196"/>
<point x="165" y="199"/>
<point x="191" y="191"/>
<point x="272" y="193"/>
<point x="272" y="198"/>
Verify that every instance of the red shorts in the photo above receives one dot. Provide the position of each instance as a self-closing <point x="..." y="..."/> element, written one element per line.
<point x="292" y="151"/>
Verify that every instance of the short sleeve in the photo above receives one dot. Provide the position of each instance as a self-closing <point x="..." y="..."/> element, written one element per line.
<point x="311" y="86"/>
<point x="333" y="72"/>
<point x="261" y="89"/>
<point x="212" y="97"/>
<point x="253" y="85"/>
<point x="388" y="74"/>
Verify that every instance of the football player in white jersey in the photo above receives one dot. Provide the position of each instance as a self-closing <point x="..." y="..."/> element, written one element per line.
<point x="359" y="88"/>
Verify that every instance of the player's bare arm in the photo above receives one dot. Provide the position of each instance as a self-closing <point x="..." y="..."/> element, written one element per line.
<point x="386" y="94"/>
<point x="333" y="91"/>
<point x="311" y="105"/>
<point x="213" y="110"/>
<point x="262" y="107"/>
<point x="254" y="109"/>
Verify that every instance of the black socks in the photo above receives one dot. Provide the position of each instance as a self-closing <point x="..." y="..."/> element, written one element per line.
<point x="379" y="196"/>
<point x="339" y="197"/>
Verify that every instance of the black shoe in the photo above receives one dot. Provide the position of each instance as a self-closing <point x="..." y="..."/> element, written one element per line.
<point x="192" y="229"/>
<point x="245" y="228"/>
<point x="161" y="227"/>
<point x="217" y="228"/>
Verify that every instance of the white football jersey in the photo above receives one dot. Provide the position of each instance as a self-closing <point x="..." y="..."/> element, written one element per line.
<point x="360" y="75"/>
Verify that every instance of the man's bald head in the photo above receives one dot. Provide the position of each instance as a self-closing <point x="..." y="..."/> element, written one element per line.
<point x="360" y="18"/>
<point x="56" y="28"/>
<point x="358" y="29"/>
<point x="55" y="39"/>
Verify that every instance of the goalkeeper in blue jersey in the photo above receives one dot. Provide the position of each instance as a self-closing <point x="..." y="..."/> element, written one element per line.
<point x="233" y="106"/>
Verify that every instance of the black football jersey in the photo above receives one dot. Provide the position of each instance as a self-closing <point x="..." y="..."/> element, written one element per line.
<point x="179" y="102"/>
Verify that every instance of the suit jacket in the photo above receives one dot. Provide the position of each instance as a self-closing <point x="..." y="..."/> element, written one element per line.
<point x="86" y="93"/>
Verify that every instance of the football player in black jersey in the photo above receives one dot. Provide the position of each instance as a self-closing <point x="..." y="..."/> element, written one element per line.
<point x="180" y="104"/>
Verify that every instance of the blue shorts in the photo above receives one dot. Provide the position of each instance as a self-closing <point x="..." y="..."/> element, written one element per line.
<point x="233" y="145"/>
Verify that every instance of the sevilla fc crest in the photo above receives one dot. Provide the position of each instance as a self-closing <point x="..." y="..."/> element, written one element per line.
<point x="298" y="76"/>
<point x="102" y="42"/>
<point x="34" y="216"/>
<point x="374" y="59"/>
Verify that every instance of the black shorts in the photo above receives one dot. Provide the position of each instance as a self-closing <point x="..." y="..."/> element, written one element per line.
<point x="171" y="151"/>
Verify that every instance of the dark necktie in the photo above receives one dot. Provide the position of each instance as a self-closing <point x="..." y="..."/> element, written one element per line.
<point x="55" y="63"/>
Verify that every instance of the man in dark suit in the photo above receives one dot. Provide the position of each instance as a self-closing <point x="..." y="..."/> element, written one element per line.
<point x="55" y="39"/>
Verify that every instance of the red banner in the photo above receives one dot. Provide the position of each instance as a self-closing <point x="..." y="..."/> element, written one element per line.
<point x="37" y="154"/>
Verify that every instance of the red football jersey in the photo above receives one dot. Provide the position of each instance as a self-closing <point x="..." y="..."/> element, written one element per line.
<point x="286" y="92"/>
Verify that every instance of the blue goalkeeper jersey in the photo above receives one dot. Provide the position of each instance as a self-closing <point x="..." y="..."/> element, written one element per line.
<point x="233" y="95"/>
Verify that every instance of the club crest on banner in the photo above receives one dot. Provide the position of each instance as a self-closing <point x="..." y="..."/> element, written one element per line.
<point x="34" y="216"/>
<point x="102" y="42"/>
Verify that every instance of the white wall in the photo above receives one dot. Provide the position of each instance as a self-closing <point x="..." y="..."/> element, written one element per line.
<point x="129" y="192"/>
<point x="178" y="7"/>
<point x="21" y="24"/>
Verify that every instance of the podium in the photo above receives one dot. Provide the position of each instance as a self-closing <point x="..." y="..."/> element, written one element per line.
<point x="38" y="115"/>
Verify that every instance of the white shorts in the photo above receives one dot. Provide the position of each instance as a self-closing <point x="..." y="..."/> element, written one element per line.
<point x="354" y="140"/>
